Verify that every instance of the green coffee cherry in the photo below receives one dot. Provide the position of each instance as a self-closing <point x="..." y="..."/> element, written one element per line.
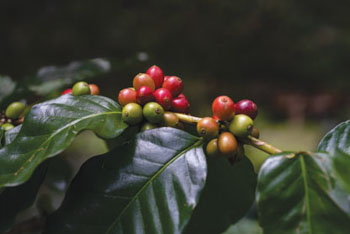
<point x="81" y="88"/>
<point x="147" y="126"/>
<point x="7" y="126"/>
<point x="14" y="110"/>
<point x="170" y="120"/>
<point x="132" y="113"/>
<point x="241" y="125"/>
<point x="153" y="112"/>
<point x="212" y="148"/>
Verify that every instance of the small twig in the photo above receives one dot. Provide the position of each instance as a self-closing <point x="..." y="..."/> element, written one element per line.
<point x="261" y="145"/>
<point x="188" y="118"/>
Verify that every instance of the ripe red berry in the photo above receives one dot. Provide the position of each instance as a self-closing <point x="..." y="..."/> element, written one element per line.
<point x="126" y="96"/>
<point x="163" y="97"/>
<point x="223" y="107"/>
<point x="174" y="85"/>
<point x="181" y="105"/>
<point x="143" y="79"/>
<point x="247" y="107"/>
<point x="67" y="91"/>
<point x="216" y="118"/>
<point x="144" y="95"/>
<point x="157" y="75"/>
<point x="166" y="78"/>
<point x="181" y="95"/>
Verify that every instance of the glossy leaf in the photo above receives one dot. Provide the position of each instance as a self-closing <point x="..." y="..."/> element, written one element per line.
<point x="11" y="134"/>
<point x="15" y="199"/>
<point x="149" y="185"/>
<point x="50" y="127"/>
<point x="53" y="78"/>
<point x="228" y="194"/>
<point x="59" y="174"/>
<point x="297" y="193"/>
<point x="337" y="138"/>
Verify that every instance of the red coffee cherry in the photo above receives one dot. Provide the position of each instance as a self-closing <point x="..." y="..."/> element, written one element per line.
<point x="174" y="85"/>
<point x="157" y="75"/>
<point x="181" y="95"/>
<point x="126" y="96"/>
<point x="94" y="89"/>
<point x="144" y="95"/>
<point x="166" y="78"/>
<point x="247" y="107"/>
<point x="216" y="118"/>
<point x="163" y="97"/>
<point x="143" y="79"/>
<point x="180" y="105"/>
<point x="223" y="107"/>
<point x="67" y="91"/>
<point x="227" y="143"/>
<point x="208" y="128"/>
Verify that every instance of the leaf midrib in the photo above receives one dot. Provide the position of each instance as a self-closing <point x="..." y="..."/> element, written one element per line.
<point x="145" y="186"/>
<point x="304" y="175"/>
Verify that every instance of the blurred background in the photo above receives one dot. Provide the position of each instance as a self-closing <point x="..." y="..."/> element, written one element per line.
<point x="290" y="57"/>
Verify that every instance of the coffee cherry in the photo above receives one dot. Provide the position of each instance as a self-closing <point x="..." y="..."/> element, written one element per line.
<point x="208" y="128"/>
<point x="174" y="85"/>
<point x="81" y="88"/>
<point x="7" y="126"/>
<point x="157" y="75"/>
<point x="181" y="95"/>
<point x="143" y="79"/>
<point x="144" y="95"/>
<point x="153" y="112"/>
<point x="148" y="126"/>
<point x="216" y="118"/>
<point x="170" y="120"/>
<point x="132" y="113"/>
<point x="163" y="97"/>
<point x="14" y="110"/>
<point x="255" y="132"/>
<point x="181" y="105"/>
<point x="247" y="107"/>
<point x="95" y="90"/>
<point x="227" y="143"/>
<point x="241" y="125"/>
<point x="212" y="148"/>
<point x="223" y="108"/>
<point x="166" y="78"/>
<point x="126" y="96"/>
<point x="67" y="91"/>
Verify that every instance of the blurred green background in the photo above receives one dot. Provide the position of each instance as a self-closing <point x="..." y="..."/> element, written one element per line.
<point x="290" y="57"/>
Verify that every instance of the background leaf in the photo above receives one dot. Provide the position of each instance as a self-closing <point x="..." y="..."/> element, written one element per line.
<point x="228" y="194"/>
<point x="149" y="185"/>
<point x="7" y="86"/>
<point x="296" y="193"/>
<point x="50" y="127"/>
<point x="337" y="138"/>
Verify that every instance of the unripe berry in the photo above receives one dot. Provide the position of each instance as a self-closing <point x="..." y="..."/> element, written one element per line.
<point x="157" y="75"/>
<point x="153" y="112"/>
<point x="212" y="148"/>
<point x="174" y="85"/>
<point x="227" y="143"/>
<point x="241" y="125"/>
<point x="67" y="91"/>
<point x="163" y="97"/>
<point x="132" y="113"/>
<point x="144" y="95"/>
<point x="126" y="96"/>
<point x="14" y="110"/>
<point x="143" y="79"/>
<point x="7" y="126"/>
<point x="81" y="88"/>
<point x="170" y="120"/>
<point x="95" y="90"/>
<point x="247" y="107"/>
<point x="148" y="126"/>
<point x="223" y="107"/>
<point x="208" y="128"/>
<point x="255" y="132"/>
<point x="181" y="105"/>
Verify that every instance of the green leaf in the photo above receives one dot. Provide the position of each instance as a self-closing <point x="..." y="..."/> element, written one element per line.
<point x="59" y="174"/>
<point x="53" y="78"/>
<point x="337" y="138"/>
<point x="228" y="194"/>
<point x="15" y="199"/>
<point x="341" y="167"/>
<point x="297" y="193"/>
<point x="50" y="127"/>
<point x="2" y="133"/>
<point x="149" y="185"/>
<point x="7" y="87"/>
<point x="11" y="134"/>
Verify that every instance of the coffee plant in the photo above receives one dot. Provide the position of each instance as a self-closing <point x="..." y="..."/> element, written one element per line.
<point x="166" y="171"/>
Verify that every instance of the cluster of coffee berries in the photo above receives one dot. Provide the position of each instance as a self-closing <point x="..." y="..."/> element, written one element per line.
<point x="229" y="123"/>
<point x="12" y="116"/>
<point x="82" y="88"/>
<point x="151" y="98"/>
